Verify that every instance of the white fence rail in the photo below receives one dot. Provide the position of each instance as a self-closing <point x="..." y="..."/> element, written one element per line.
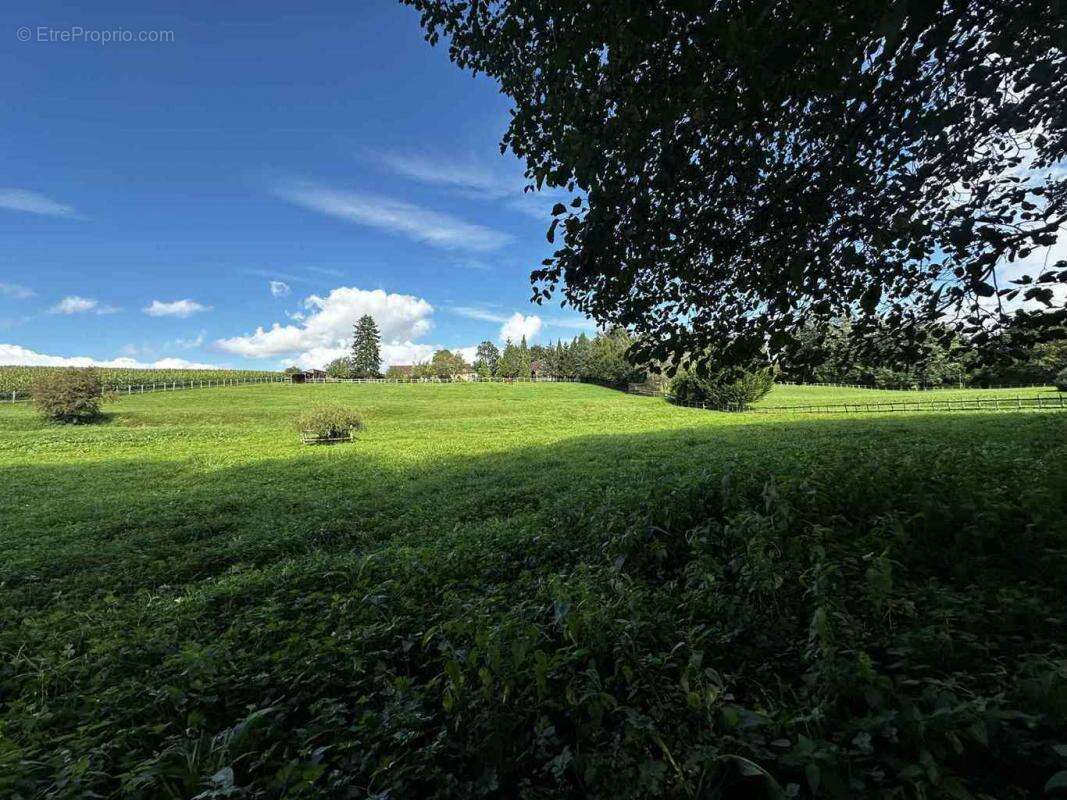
<point x="161" y="386"/>
<point x="1056" y="401"/>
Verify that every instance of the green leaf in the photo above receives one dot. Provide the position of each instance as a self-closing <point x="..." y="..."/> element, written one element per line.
<point x="1057" y="782"/>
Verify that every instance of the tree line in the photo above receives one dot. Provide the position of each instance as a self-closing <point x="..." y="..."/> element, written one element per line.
<point x="602" y="358"/>
<point x="837" y="352"/>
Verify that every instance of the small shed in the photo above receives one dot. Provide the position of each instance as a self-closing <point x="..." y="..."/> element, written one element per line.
<point x="308" y="375"/>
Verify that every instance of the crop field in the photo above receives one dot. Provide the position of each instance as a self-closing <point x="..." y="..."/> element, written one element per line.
<point x="530" y="590"/>
<point x="19" y="379"/>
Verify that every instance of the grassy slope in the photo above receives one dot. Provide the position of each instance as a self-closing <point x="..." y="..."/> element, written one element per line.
<point x="170" y="573"/>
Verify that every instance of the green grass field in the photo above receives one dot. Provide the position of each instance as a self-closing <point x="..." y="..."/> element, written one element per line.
<point x="549" y="590"/>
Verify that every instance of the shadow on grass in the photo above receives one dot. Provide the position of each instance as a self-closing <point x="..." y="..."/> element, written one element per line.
<point x="343" y="604"/>
<point x="124" y="525"/>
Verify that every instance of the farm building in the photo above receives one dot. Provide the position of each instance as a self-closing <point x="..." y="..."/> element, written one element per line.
<point x="308" y="375"/>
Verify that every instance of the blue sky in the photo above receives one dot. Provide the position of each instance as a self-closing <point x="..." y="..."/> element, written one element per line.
<point x="239" y="194"/>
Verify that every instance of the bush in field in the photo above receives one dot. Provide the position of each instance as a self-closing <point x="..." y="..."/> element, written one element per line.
<point x="1061" y="381"/>
<point x="71" y="395"/>
<point x="326" y="422"/>
<point x="341" y="368"/>
<point x="731" y="389"/>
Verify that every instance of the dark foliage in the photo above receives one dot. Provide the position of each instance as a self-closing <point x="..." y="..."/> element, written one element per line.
<point x="838" y="352"/>
<point x="1061" y="380"/>
<point x="742" y="168"/>
<point x="69" y="395"/>
<point x="728" y="389"/>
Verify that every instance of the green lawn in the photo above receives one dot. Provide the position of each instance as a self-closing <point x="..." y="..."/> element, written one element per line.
<point x="549" y="590"/>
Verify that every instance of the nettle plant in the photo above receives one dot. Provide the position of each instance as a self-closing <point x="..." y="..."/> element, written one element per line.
<point x="329" y="423"/>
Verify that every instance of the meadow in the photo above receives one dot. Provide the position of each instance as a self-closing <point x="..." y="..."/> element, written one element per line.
<point x="530" y="590"/>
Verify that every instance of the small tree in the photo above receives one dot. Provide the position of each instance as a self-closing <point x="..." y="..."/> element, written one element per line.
<point x="341" y="368"/>
<point x="366" y="353"/>
<point x="69" y="395"/>
<point x="489" y="355"/>
<point x="446" y="365"/>
<point x="514" y="361"/>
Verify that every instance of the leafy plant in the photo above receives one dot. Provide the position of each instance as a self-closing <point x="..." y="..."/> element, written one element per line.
<point x="69" y="396"/>
<point x="329" y="422"/>
<point x="728" y="389"/>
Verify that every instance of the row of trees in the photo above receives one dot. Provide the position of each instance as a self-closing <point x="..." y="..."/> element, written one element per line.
<point x="836" y="353"/>
<point x="600" y="359"/>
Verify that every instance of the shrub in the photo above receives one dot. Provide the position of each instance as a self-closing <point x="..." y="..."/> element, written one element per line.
<point x="731" y="389"/>
<point x="327" y="422"/>
<point x="1061" y="380"/>
<point x="341" y="368"/>
<point x="70" y="395"/>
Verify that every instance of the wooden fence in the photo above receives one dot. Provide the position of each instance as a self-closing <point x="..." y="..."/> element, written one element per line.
<point x="167" y="386"/>
<point x="1056" y="401"/>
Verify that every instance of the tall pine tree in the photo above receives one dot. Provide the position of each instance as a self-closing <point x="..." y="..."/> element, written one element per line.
<point x="366" y="355"/>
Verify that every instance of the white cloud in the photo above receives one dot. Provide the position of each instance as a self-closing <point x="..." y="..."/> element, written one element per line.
<point x="16" y="291"/>
<point x="417" y="223"/>
<point x="279" y="288"/>
<point x="177" y="308"/>
<point x="1040" y="260"/>
<point x="327" y="326"/>
<point x="73" y="304"/>
<point x="34" y="203"/>
<point x="518" y="326"/>
<point x="191" y="344"/>
<point x="574" y="323"/>
<point x="478" y="179"/>
<point x="393" y="353"/>
<point x="446" y="171"/>
<point x="481" y="314"/>
<point x="14" y="355"/>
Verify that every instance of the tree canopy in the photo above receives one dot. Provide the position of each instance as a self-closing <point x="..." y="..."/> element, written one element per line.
<point x="487" y="357"/>
<point x="366" y="351"/>
<point x="739" y="169"/>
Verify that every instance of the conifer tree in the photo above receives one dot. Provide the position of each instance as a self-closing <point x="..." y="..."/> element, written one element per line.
<point x="366" y="353"/>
